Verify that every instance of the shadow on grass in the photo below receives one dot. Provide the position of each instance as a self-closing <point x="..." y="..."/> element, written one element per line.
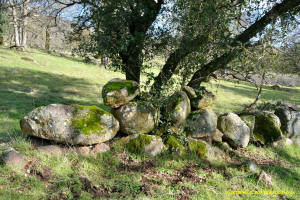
<point x="22" y="90"/>
<point x="267" y="94"/>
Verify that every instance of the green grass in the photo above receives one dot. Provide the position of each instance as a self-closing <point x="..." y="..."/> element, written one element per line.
<point x="25" y="85"/>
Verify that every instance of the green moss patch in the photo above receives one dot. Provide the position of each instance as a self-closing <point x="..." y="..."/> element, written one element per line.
<point x="198" y="147"/>
<point x="118" y="85"/>
<point x="138" y="144"/>
<point x="266" y="130"/>
<point x="173" y="144"/>
<point x="88" y="119"/>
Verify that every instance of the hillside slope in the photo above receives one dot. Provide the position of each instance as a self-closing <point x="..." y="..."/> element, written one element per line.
<point x="35" y="78"/>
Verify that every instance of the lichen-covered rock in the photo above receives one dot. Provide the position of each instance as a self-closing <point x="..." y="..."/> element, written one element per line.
<point x="70" y="124"/>
<point x="267" y="128"/>
<point x="290" y="121"/>
<point x="201" y="124"/>
<point x="235" y="130"/>
<point x="148" y="144"/>
<point x="118" y="92"/>
<point x="137" y="117"/>
<point x="178" y="107"/>
<point x="250" y="121"/>
<point x="199" y="147"/>
<point x="203" y="99"/>
<point x="173" y="144"/>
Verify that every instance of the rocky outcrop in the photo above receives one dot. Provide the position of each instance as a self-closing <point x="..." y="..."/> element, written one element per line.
<point x="70" y="124"/>
<point x="118" y="92"/>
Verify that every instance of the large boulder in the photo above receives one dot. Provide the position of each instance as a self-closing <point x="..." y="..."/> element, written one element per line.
<point x="70" y="124"/>
<point x="235" y="130"/>
<point x="118" y="92"/>
<point x="290" y="121"/>
<point x="267" y="128"/>
<point x="201" y="124"/>
<point x="148" y="144"/>
<point x="178" y="107"/>
<point x="137" y="117"/>
<point x="200" y="98"/>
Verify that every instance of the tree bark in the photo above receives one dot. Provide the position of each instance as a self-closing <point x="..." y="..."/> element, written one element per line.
<point x="132" y="58"/>
<point x="186" y="47"/>
<point x="15" y="24"/>
<point x="47" y="40"/>
<point x="221" y="61"/>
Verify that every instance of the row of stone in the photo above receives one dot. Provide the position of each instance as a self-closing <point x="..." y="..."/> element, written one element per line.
<point x="86" y="125"/>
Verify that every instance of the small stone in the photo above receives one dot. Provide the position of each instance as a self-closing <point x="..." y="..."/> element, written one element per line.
<point x="266" y="178"/>
<point x="4" y="139"/>
<point x="149" y="144"/>
<point x="100" y="148"/>
<point x="251" y="166"/>
<point x="83" y="151"/>
<point x="14" y="158"/>
<point x="51" y="149"/>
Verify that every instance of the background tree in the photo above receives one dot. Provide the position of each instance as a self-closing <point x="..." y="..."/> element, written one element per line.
<point x="202" y="37"/>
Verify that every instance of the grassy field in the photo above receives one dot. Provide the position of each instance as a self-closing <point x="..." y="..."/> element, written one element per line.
<point x="35" y="78"/>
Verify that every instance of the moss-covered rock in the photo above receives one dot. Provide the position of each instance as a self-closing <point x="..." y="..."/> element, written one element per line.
<point x="118" y="92"/>
<point x="141" y="143"/>
<point x="201" y="123"/>
<point x="250" y="121"/>
<point x="178" y="107"/>
<point x="267" y="128"/>
<point x="173" y="144"/>
<point x="198" y="147"/>
<point x="71" y="124"/>
<point x="137" y="117"/>
<point x="235" y="130"/>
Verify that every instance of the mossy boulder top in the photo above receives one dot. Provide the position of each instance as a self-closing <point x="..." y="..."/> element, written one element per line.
<point x="178" y="108"/>
<point x="201" y="124"/>
<point x="70" y="124"/>
<point x="118" y="92"/>
<point x="137" y="117"/>
<point x="200" y="98"/>
<point x="267" y="128"/>
<point x="235" y="130"/>
<point x="148" y="144"/>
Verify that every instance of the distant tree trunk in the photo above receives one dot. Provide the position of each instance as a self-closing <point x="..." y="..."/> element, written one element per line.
<point x="1" y="37"/>
<point x="47" y="41"/>
<point x="16" y="27"/>
<point x="24" y="24"/>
